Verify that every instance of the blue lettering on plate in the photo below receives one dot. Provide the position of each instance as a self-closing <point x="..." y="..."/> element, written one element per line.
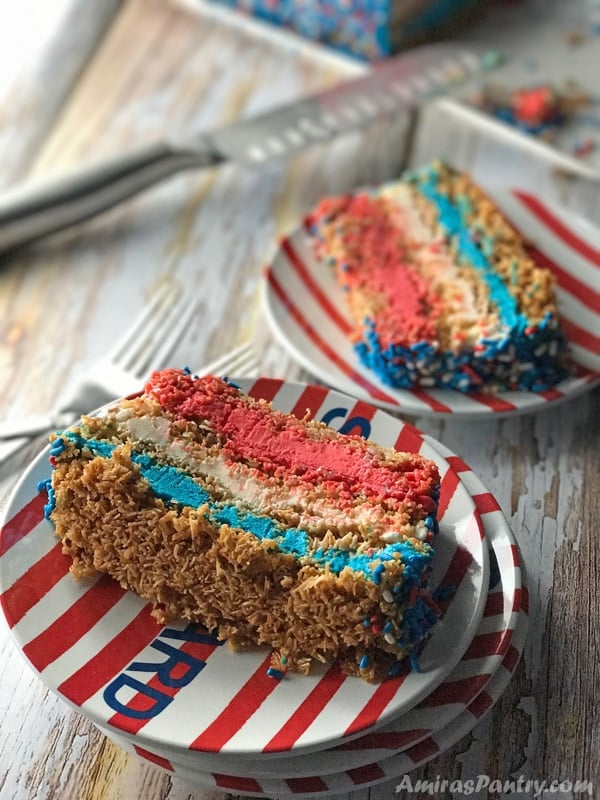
<point x="165" y="670"/>
<point x="349" y="426"/>
<point x="178" y="670"/>
<point x="159" y="699"/>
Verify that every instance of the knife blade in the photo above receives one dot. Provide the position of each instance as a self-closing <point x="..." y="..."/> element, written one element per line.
<point x="399" y="83"/>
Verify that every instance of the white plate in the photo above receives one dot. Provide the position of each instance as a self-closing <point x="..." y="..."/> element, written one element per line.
<point x="379" y="772"/>
<point x="306" y="309"/>
<point x="98" y="647"/>
<point x="470" y="677"/>
<point x="389" y="763"/>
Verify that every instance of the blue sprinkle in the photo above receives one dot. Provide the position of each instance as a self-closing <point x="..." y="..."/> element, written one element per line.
<point x="364" y="662"/>
<point x="57" y="446"/>
<point x="418" y="346"/>
<point x="444" y="593"/>
<point x="377" y="573"/>
<point x="186" y="370"/>
<point x="275" y="673"/>
<point x="395" y="669"/>
<point x="366" y="622"/>
<point x="388" y="627"/>
<point x="230" y="383"/>
<point x="414" y="662"/>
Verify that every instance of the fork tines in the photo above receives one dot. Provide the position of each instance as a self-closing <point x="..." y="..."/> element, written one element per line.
<point x="241" y="362"/>
<point x="155" y="333"/>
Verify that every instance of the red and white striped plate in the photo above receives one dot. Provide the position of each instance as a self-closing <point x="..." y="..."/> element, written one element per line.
<point x="173" y="689"/>
<point x="451" y="711"/>
<point x="306" y="310"/>
<point x="483" y="658"/>
<point x="379" y="772"/>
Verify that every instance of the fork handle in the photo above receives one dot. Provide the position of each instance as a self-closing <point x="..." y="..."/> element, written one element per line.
<point x="47" y="207"/>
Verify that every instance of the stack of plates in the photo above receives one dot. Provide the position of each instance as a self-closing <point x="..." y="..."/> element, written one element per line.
<point x="178" y="698"/>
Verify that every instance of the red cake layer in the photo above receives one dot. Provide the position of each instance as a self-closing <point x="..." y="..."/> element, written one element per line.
<point x="282" y="444"/>
<point x="377" y="261"/>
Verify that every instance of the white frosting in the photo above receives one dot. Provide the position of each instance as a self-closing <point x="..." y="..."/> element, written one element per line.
<point x="436" y="263"/>
<point x="149" y="429"/>
<point x="239" y="481"/>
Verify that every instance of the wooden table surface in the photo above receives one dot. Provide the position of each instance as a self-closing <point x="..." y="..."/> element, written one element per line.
<point x="81" y="79"/>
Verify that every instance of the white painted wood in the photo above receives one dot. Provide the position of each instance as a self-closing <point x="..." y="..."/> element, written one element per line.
<point x="161" y="67"/>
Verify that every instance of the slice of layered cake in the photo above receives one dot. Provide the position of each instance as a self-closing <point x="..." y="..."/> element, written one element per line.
<point x="267" y="529"/>
<point x="440" y="287"/>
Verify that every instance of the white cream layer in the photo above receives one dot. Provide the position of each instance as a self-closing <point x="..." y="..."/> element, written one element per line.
<point x="238" y="481"/>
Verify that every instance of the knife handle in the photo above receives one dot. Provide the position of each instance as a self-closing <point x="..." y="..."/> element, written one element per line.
<point x="48" y="207"/>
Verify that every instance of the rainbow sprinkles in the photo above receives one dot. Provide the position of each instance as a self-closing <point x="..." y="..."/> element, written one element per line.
<point x="440" y="286"/>
<point x="267" y="529"/>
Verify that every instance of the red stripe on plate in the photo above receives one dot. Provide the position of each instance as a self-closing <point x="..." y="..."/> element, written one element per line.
<point x="393" y="740"/>
<point x="362" y="409"/>
<point x="488" y="644"/>
<point x="265" y="388"/>
<point x="318" y="340"/>
<point x="485" y="503"/>
<point x="457" y="464"/>
<point x="313" y="287"/>
<point x="422" y="750"/>
<point x="23" y="522"/>
<point x="517" y="600"/>
<point x="434" y="404"/>
<point x="580" y="336"/>
<point x="238" y="711"/>
<point x="482" y="703"/>
<point x="237" y="783"/>
<point x="515" y="555"/>
<point x="448" y="487"/>
<point x="74" y="623"/>
<point x="525" y="600"/>
<point x="112" y="658"/>
<point x="307" y="711"/>
<point x="148" y="756"/>
<point x="539" y="210"/>
<point x="31" y="587"/>
<point x="378" y="701"/>
<point x="552" y="394"/>
<point x="370" y="772"/>
<point x="496" y="403"/>
<point x="462" y="690"/>
<point x="139" y="702"/>
<point x="511" y="658"/>
<point x="311" y="400"/>
<point x="455" y="573"/>
<point x="494" y="604"/>
<point x="409" y="440"/>
<point x="307" y="785"/>
<point x="567" y="282"/>
<point x="480" y="525"/>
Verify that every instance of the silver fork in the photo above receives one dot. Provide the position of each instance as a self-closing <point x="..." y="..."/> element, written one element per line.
<point x="241" y="362"/>
<point x="121" y="371"/>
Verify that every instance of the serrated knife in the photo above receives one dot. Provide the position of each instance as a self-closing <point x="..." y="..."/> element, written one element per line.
<point x="399" y="83"/>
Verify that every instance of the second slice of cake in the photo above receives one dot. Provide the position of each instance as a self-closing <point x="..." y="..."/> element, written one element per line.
<point x="440" y="287"/>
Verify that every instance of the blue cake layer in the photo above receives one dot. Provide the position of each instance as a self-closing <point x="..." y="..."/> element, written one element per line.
<point x="175" y="487"/>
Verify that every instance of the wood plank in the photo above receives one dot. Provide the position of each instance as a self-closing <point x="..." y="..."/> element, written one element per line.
<point x="38" y="71"/>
